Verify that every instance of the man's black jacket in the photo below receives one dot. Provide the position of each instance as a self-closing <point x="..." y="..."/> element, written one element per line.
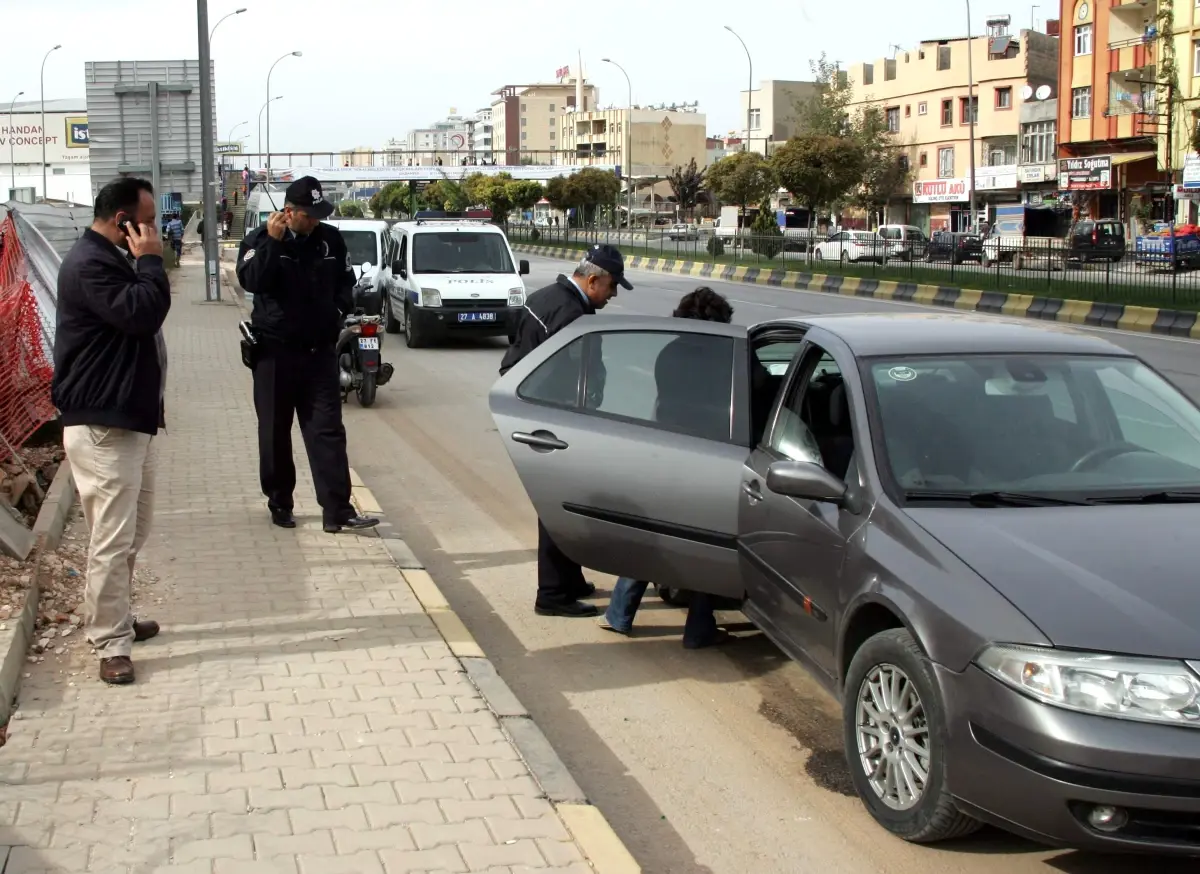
<point x="107" y="371"/>
<point x="547" y="311"/>
<point x="301" y="285"/>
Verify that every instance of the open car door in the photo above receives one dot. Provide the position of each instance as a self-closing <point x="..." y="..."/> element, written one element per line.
<point x="629" y="435"/>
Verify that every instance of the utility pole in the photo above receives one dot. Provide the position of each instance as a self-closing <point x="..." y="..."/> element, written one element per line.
<point x="208" y="160"/>
<point x="971" y="113"/>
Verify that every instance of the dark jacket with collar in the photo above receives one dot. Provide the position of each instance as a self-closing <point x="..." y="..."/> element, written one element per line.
<point x="547" y="311"/>
<point x="107" y="371"/>
<point x="302" y="286"/>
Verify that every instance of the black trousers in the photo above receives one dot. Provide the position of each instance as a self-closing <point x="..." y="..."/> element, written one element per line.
<point x="560" y="580"/>
<point x="302" y="383"/>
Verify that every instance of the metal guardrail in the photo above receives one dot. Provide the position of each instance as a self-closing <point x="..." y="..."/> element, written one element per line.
<point x="1048" y="268"/>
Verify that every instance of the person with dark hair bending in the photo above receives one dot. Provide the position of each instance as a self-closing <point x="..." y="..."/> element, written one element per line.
<point x="110" y="369"/>
<point x="681" y="372"/>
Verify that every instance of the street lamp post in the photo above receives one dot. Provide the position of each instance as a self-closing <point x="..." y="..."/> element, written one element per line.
<point x="208" y="148"/>
<point x="268" y="107"/>
<point x="232" y="129"/>
<point x="749" y="89"/>
<point x="45" y="190"/>
<point x="12" y="149"/>
<point x="972" y="112"/>
<point x="260" y="112"/>
<point x="218" y="24"/>
<point x="628" y="138"/>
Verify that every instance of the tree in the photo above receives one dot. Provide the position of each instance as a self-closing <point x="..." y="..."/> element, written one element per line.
<point x="389" y="200"/>
<point x="687" y="183"/>
<point x="818" y="169"/>
<point x="350" y="209"/>
<point x="767" y="239"/>
<point x="742" y="178"/>
<point x="827" y="111"/>
<point x="589" y="188"/>
<point x="884" y="169"/>
<point x="525" y="193"/>
<point x="558" y="194"/>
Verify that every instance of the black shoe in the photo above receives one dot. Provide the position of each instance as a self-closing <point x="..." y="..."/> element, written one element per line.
<point x="573" y="609"/>
<point x="588" y="590"/>
<point x="354" y="523"/>
<point x="283" y="518"/>
<point x="721" y="638"/>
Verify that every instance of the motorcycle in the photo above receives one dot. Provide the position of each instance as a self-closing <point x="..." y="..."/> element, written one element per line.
<point x="358" y="346"/>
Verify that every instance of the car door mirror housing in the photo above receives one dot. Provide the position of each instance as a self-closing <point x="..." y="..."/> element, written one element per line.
<point x="524" y="268"/>
<point x="806" y="481"/>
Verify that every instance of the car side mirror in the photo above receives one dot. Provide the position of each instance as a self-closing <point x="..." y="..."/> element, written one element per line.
<point x="366" y="267"/>
<point x="806" y="481"/>
<point x="524" y="268"/>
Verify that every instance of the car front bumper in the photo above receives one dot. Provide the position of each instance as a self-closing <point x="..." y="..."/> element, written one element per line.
<point x="441" y="320"/>
<point x="1038" y="770"/>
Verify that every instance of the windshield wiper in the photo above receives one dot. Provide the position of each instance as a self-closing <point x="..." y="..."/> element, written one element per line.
<point x="995" y="499"/>
<point x="1165" y="497"/>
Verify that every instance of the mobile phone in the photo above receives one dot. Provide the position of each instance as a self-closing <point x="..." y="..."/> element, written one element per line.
<point x="123" y="224"/>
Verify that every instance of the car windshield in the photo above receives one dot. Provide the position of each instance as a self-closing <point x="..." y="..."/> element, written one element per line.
<point x="362" y="247"/>
<point x="1085" y="428"/>
<point x="460" y="252"/>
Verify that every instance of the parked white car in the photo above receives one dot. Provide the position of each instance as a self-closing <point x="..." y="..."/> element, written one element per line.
<point x="854" y="246"/>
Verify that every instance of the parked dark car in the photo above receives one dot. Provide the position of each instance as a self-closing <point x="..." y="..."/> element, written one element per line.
<point x="1096" y="240"/>
<point x="977" y="534"/>
<point x="953" y="246"/>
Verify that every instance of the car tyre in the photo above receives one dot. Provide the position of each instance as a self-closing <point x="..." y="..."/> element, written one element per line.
<point x="932" y="815"/>
<point x="390" y="323"/>
<point x="414" y="338"/>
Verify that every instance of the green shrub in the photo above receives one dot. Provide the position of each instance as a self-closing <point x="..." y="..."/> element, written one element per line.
<point x="715" y="246"/>
<point x="767" y="239"/>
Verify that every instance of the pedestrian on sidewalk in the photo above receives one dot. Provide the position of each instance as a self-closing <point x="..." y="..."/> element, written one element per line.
<point x="547" y="311"/>
<point x="110" y="369"/>
<point x="175" y="234"/>
<point x="298" y="269"/>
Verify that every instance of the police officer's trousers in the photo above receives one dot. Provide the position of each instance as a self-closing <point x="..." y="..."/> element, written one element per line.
<point x="303" y="383"/>
<point x="560" y="580"/>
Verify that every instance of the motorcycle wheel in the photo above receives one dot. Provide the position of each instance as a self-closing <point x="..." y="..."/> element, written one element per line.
<point x="366" y="390"/>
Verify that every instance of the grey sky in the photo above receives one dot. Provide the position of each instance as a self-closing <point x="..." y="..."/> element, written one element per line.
<point x="372" y="69"/>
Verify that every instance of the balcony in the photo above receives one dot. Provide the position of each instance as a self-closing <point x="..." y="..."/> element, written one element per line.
<point x="1133" y="92"/>
<point x="1133" y="23"/>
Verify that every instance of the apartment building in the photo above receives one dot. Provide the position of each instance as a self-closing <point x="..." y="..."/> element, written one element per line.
<point x="456" y="139"/>
<point x="925" y="95"/>
<point x="526" y="119"/>
<point x="773" y="112"/>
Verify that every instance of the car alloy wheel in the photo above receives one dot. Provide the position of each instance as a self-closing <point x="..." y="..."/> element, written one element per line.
<point x="893" y="737"/>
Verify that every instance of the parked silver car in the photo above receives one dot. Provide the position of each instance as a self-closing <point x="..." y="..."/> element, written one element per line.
<point x="978" y="534"/>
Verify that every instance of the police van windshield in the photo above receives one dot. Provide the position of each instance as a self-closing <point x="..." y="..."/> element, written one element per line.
<point x="361" y="246"/>
<point x="458" y="252"/>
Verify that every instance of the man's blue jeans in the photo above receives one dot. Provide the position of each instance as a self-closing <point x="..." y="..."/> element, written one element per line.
<point x="700" y="629"/>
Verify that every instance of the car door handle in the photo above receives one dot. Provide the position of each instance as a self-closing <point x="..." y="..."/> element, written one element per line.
<point x="752" y="491"/>
<point x="540" y="440"/>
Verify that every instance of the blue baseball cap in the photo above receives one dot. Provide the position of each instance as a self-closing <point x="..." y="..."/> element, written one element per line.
<point x="609" y="258"/>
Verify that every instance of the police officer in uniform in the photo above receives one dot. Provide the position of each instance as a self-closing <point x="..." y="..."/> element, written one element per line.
<point x="547" y="311"/>
<point x="300" y="274"/>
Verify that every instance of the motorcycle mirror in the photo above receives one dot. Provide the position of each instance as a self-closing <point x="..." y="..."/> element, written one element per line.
<point x="366" y="266"/>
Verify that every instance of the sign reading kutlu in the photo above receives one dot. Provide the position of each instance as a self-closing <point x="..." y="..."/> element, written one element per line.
<point x="66" y="138"/>
<point x="1085" y="174"/>
<point x="941" y="191"/>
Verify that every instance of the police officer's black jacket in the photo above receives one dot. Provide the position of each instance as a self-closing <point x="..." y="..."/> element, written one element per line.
<point x="107" y="370"/>
<point x="302" y="286"/>
<point x="547" y="311"/>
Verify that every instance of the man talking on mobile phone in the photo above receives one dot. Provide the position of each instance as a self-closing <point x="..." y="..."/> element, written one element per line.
<point x="298" y="269"/>
<point x="110" y="369"/>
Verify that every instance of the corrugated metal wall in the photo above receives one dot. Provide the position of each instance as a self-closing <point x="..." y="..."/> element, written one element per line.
<point x="119" y="124"/>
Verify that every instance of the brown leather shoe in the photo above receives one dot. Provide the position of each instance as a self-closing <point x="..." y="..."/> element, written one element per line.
<point x="144" y="630"/>
<point x="117" y="671"/>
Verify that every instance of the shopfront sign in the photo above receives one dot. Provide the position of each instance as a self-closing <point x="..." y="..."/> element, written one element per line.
<point x="1191" y="172"/>
<point x="1033" y="174"/>
<point x="1085" y="174"/>
<point x="996" y="178"/>
<point x="941" y="191"/>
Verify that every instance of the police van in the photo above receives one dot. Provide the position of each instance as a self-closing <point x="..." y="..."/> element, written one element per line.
<point x="453" y="276"/>
<point x="368" y="242"/>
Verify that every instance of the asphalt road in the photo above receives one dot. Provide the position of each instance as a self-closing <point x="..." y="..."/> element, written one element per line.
<point x="711" y="762"/>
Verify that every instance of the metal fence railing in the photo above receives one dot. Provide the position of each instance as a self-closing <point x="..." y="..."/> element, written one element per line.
<point x="1147" y="274"/>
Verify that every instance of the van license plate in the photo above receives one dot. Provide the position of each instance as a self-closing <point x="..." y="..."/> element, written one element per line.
<point x="477" y="317"/>
<point x="368" y="343"/>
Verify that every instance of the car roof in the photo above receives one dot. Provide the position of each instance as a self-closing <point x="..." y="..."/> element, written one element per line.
<point x="442" y="225"/>
<point x="870" y="335"/>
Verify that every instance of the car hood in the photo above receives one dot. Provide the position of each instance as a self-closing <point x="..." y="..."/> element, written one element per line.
<point x="1118" y="579"/>
<point x="467" y="286"/>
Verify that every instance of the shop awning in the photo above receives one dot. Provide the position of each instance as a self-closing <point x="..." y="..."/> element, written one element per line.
<point x="1130" y="157"/>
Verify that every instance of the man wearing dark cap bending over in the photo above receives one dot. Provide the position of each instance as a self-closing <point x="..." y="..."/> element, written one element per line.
<point x="300" y="274"/>
<point x="547" y="311"/>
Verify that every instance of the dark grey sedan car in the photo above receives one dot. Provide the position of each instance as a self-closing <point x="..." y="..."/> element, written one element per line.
<point x="980" y="535"/>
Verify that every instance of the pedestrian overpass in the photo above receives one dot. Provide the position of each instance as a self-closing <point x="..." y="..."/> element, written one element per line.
<point x="435" y="173"/>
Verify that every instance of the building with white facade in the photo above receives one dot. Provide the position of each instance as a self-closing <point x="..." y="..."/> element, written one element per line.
<point x="456" y="139"/>
<point x="66" y="162"/>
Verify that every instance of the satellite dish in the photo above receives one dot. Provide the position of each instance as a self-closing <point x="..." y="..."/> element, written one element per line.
<point x="1027" y="92"/>
<point x="1043" y="92"/>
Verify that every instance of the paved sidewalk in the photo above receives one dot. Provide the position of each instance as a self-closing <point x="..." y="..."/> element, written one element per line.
<point x="300" y="712"/>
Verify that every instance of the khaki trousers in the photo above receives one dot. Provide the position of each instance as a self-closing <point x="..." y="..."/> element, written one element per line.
<point x="114" y="472"/>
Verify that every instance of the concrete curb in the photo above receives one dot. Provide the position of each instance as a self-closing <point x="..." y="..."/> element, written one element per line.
<point x="604" y="850"/>
<point x="1096" y="314"/>
<point x="15" y="639"/>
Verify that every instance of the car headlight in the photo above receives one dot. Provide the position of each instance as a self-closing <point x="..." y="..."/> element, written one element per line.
<point x="431" y="297"/>
<point x="516" y="297"/>
<point x="1147" y="690"/>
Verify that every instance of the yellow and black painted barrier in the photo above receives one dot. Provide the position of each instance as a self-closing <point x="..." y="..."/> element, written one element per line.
<point x="1147" y="320"/>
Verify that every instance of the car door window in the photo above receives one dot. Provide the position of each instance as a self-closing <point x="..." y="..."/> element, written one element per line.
<point x="814" y="420"/>
<point x="677" y="381"/>
<point x="556" y="380"/>
<point x="403" y="256"/>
